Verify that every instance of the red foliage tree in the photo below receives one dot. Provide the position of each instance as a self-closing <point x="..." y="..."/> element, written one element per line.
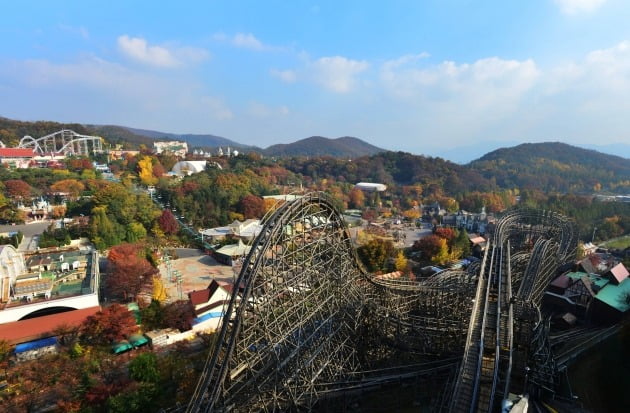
<point x="168" y="223"/>
<point x="179" y="314"/>
<point x="252" y="206"/>
<point x="447" y="233"/>
<point x="108" y="325"/>
<point x="16" y="188"/>
<point x="369" y="215"/>
<point x="130" y="273"/>
<point x="158" y="170"/>
<point x="429" y="246"/>
<point x="79" y="164"/>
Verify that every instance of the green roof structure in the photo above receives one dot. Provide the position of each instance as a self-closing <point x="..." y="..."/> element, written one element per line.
<point x="597" y="280"/>
<point x="138" y="340"/>
<point x="121" y="347"/>
<point x="615" y="295"/>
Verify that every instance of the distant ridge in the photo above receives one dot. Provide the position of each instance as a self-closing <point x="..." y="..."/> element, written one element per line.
<point x="345" y="147"/>
<point x="555" y="166"/>
<point x="193" y="140"/>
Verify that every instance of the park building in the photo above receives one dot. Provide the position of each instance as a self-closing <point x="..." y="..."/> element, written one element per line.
<point x="177" y="148"/>
<point x="371" y="187"/>
<point x="11" y="266"/>
<point x="187" y="168"/>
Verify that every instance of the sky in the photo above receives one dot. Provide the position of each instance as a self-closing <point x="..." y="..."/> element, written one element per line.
<point x="424" y="77"/>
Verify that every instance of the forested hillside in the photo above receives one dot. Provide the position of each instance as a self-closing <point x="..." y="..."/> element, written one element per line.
<point x="393" y="168"/>
<point x="346" y="147"/>
<point x="555" y="167"/>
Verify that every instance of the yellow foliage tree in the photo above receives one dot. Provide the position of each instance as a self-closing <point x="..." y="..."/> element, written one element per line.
<point x="145" y="171"/>
<point x="412" y="214"/>
<point x="442" y="256"/>
<point x="400" y="262"/>
<point x="159" y="292"/>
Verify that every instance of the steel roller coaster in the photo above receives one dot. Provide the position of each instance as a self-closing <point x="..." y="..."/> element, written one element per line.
<point x="306" y="324"/>
<point x="64" y="141"/>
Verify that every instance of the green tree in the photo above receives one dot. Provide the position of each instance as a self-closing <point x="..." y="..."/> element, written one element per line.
<point x="462" y="242"/>
<point x="144" y="368"/>
<point x="135" y="232"/>
<point x="103" y="231"/>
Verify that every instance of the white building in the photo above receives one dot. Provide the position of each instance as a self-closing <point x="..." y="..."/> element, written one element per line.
<point x="11" y="265"/>
<point x="371" y="187"/>
<point x="177" y="148"/>
<point x="185" y="168"/>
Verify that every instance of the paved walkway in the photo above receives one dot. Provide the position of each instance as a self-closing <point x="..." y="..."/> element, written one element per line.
<point x="197" y="271"/>
<point x="31" y="233"/>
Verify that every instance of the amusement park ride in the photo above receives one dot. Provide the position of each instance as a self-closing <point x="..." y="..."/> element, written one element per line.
<point x="64" y="141"/>
<point x="308" y="328"/>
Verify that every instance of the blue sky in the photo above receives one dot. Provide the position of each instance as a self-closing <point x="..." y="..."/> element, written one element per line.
<point x="419" y="76"/>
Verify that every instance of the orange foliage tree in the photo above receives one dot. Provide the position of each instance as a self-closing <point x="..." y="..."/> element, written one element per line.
<point x="129" y="271"/>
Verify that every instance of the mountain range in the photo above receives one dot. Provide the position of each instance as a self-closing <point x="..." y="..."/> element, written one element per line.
<point x="11" y="131"/>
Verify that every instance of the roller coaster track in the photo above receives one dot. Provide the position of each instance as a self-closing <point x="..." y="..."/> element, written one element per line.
<point x="306" y="322"/>
<point x="64" y="141"/>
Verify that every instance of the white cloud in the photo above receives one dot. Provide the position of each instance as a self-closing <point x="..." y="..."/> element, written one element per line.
<point x="115" y="93"/>
<point x="138" y="49"/>
<point x="244" y="41"/>
<point x="480" y="84"/>
<point x="262" y="111"/>
<point x="337" y="73"/>
<point x="247" y="41"/>
<point x="604" y="72"/>
<point x="578" y="6"/>
<point x="287" y="76"/>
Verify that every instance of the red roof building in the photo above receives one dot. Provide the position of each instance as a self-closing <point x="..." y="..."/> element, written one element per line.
<point x="16" y="153"/>
<point x="41" y="327"/>
<point x="217" y="294"/>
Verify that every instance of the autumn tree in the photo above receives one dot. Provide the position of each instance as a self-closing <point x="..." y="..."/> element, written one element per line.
<point x="429" y="246"/>
<point x="158" y="170"/>
<point x="145" y="171"/>
<point x="72" y="187"/>
<point x="130" y="273"/>
<point x="252" y="206"/>
<point x="376" y="253"/>
<point x="79" y="164"/>
<point x="178" y="314"/>
<point x="401" y="263"/>
<point x="111" y="324"/>
<point x="18" y="189"/>
<point x="270" y="203"/>
<point x="369" y="215"/>
<point x="357" y="198"/>
<point x="447" y="233"/>
<point x="442" y="255"/>
<point x="412" y="214"/>
<point x="167" y="222"/>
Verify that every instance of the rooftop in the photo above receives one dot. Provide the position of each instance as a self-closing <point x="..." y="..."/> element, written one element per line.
<point x="615" y="295"/>
<point x="619" y="272"/>
<point x="596" y="280"/>
<point x="39" y="327"/>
